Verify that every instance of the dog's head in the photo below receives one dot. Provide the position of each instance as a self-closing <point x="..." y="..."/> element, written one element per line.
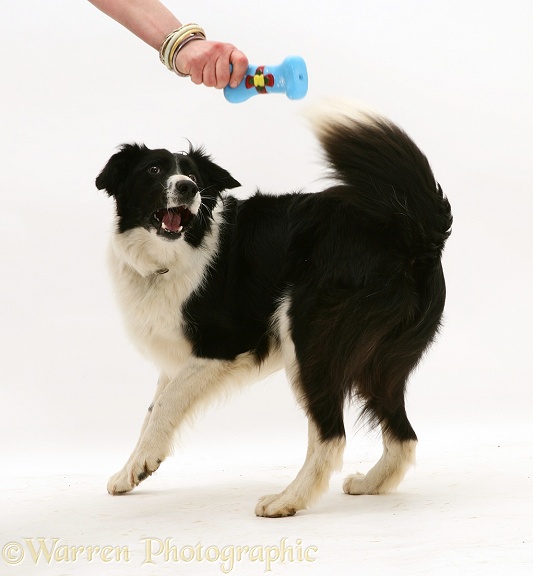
<point x="167" y="194"/>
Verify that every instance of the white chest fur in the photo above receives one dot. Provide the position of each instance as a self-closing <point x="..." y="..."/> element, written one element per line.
<point x="151" y="302"/>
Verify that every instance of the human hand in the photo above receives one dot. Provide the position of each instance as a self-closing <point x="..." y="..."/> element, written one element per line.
<point x="214" y="64"/>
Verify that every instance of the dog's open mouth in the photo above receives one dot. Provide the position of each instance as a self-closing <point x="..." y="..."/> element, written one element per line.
<point x="171" y="222"/>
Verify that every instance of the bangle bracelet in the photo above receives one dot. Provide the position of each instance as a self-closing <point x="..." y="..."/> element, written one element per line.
<point x="178" y="49"/>
<point x="174" y="36"/>
<point x="174" y="41"/>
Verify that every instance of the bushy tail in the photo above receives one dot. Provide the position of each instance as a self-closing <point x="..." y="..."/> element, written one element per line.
<point x="391" y="178"/>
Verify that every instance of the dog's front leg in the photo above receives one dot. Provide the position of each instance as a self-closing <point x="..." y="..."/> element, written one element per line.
<point x="119" y="483"/>
<point x="196" y="384"/>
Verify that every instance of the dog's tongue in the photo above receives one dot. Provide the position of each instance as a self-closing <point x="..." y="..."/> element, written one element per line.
<point x="172" y="220"/>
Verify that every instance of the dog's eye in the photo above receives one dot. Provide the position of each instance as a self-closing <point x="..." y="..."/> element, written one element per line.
<point x="193" y="178"/>
<point x="154" y="170"/>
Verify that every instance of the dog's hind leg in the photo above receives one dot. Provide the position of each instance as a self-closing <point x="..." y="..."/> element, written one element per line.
<point x="177" y="400"/>
<point x="326" y="438"/>
<point x="323" y="458"/>
<point x="399" y="447"/>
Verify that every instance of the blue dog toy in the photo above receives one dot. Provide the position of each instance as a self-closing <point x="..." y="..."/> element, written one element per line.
<point x="289" y="77"/>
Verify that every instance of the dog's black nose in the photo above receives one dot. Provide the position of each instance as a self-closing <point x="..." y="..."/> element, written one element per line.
<point x="186" y="189"/>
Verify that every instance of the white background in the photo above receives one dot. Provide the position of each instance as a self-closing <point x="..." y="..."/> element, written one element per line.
<point x="73" y="85"/>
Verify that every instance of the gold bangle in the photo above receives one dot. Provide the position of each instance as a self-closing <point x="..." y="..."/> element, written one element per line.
<point x="184" y="43"/>
<point x="174" y="39"/>
<point x="183" y="38"/>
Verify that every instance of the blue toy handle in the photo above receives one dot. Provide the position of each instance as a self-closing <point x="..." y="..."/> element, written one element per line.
<point x="289" y="77"/>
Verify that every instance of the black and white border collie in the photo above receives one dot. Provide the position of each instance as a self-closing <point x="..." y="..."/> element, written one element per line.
<point x="342" y="288"/>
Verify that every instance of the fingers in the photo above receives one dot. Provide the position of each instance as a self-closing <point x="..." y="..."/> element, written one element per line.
<point x="211" y="63"/>
<point x="239" y="63"/>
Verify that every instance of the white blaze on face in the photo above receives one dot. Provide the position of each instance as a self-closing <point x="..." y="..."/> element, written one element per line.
<point x="173" y="195"/>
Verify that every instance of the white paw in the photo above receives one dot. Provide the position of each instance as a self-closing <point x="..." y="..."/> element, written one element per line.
<point x="357" y="484"/>
<point x="277" y="506"/>
<point x="119" y="483"/>
<point x="134" y="472"/>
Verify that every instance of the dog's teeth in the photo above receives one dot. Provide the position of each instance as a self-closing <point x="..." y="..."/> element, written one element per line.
<point x="163" y="226"/>
<point x="180" y="228"/>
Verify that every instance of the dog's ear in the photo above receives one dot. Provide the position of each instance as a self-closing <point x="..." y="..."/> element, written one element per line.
<point x="112" y="177"/>
<point x="215" y="177"/>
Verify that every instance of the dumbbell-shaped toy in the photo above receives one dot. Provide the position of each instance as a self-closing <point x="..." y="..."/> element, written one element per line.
<point x="289" y="77"/>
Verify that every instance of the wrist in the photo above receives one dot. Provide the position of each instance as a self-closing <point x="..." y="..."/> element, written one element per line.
<point x="175" y="41"/>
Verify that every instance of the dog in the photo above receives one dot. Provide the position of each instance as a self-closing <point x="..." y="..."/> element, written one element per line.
<point x="343" y="288"/>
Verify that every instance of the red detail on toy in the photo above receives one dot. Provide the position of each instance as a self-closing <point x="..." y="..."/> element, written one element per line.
<point x="259" y="80"/>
